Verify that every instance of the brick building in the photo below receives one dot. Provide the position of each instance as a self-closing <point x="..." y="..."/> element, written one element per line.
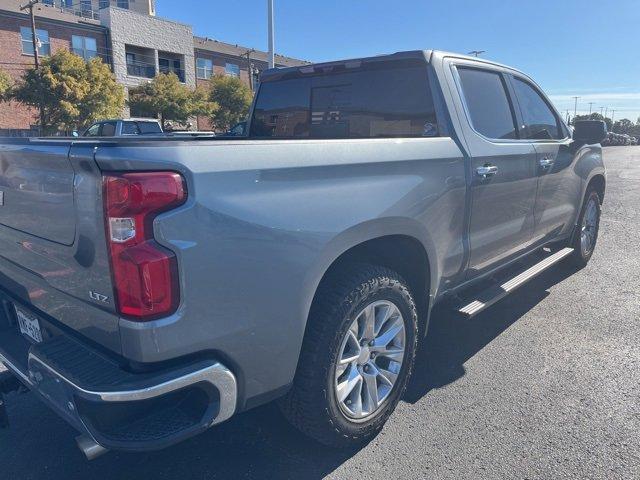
<point x="128" y="36"/>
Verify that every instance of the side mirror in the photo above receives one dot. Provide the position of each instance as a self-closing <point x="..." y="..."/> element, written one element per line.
<point x="75" y="133"/>
<point x="589" y="131"/>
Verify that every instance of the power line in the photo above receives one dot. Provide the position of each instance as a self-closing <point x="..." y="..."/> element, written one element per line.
<point x="36" y="55"/>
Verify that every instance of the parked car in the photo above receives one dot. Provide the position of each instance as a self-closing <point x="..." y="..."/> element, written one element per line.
<point x="153" y="288"/>
<point x="124" y="127"/>
<point x="238" y="130"/>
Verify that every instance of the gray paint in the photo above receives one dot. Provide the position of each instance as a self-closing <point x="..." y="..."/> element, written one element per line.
<point x="264" y="221"/>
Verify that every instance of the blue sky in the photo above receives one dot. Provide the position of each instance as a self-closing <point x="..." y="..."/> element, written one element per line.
<point x="588" y="48"/>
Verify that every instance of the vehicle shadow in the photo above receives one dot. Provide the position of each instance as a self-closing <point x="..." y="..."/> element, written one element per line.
<point x="453" y="339"/>
<point x="259" y="443"/>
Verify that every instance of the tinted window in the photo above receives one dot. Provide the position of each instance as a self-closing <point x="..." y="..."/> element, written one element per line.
<point x="130" y="128"/>
<point x="108" y="129"/>
<point x="539" y="120"/>
<point x="149" y="127"/>
<point x="487" y="102"/>
<point x="371" y="101"/>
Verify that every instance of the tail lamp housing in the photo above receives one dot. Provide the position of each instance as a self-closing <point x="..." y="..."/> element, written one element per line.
<point x="145" y="274"/>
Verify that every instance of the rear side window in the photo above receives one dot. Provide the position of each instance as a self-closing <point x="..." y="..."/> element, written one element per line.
<point x="373" y="102"/>
<point x="539" y="120"/>
<point x="149" y="127"/>
<point x="486" y="98"/>
<point x="130" y="128"/>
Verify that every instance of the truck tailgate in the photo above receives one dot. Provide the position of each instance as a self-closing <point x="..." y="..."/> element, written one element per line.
<point x="37" y="192"/>
<point x="53" y="257"/>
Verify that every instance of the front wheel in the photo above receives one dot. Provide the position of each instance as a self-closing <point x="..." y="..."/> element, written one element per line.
<point x="357" y="356"/>
<point x="585" y="238"/>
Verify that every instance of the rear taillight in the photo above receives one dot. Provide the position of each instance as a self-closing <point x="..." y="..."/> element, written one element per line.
<point x="145" y="274"/>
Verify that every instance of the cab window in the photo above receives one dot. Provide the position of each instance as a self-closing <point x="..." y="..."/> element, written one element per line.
<point x="93" y="130"/>
<point x="540" y="122"/>
<point x="352" y="101"/>
<point x="485" y="95"/>
<point x="130" y="128"/>
<point x="108" y="129"/>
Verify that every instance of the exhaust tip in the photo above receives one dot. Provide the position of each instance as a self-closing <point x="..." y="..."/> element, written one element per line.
<point x="89" y="447"/>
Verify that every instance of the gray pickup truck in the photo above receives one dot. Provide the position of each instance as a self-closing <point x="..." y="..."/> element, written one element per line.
<point x="154" y="287"/>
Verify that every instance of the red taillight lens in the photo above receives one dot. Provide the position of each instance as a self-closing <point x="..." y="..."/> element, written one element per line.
<point x="145" y="274"/>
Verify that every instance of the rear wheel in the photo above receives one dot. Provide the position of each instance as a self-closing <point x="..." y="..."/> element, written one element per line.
<point x="585" y="238"/>
<point x="357" y="356"/>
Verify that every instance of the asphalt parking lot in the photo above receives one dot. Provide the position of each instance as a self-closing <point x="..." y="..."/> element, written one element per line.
<point x="545" y="384"/>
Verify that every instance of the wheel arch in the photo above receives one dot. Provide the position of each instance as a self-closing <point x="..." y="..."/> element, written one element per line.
<point x="399" y="244"/>
<point x="599" y="183"/>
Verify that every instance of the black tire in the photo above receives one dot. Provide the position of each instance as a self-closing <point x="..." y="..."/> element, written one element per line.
<point x="311" y="405"/>
<point x="581" y="256"/>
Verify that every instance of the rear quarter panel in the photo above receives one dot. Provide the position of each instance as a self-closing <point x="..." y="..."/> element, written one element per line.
<point x="265" y="220"/>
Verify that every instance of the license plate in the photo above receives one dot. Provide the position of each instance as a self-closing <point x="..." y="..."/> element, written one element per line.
<point x="29" y="325"/>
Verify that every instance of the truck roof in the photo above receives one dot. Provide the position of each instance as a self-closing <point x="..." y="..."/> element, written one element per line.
<point x="428" y="55"/>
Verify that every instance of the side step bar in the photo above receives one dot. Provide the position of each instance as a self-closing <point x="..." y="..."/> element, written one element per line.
<point x="497" y="292"/>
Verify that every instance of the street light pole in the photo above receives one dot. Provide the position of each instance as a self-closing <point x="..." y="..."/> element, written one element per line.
<point x="272" y="59"/>
<point x="590" y="107"/>
<point x="476" y="53"/>
<point x="36" y="54"/>
<point x="575" y="106"/>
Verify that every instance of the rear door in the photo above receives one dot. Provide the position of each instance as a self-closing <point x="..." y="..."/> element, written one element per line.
<point x="503" y="167"/>
<point x="558" y="185"/>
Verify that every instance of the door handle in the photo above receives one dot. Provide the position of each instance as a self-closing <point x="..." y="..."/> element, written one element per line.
<point x="546" y="162"/>
<point x="486" y="171"/>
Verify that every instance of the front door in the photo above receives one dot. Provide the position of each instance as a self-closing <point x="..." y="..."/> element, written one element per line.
<point x="558" y="185"/>
<point x="503" y="176"/>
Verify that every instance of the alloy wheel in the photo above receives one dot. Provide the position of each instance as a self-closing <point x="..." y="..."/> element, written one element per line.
<point x="370" y="360"/>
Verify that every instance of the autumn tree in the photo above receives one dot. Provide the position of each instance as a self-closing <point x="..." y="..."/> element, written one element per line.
<point x="233" y="98"/>
<point x="166" y="98"/>
<point x="5" y="86"/>
<point x="72" y="92"/>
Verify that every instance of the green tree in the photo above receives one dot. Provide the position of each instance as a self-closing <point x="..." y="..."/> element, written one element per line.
<point x="71" y="92"/>
<point x="593" y="116"/>
<point x="165" y="97"/>
<point x="233" y="98"/>
<point x="5" y="86"/>
<point x="624" y="126"/>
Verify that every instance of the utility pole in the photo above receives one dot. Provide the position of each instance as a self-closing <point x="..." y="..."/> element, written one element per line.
<point x="36" y="54"/>
<point x="249" y="66"/>
<point x="606" y="109"/>
<point x="590" y="106"/>
<point x="601" y="110"/>
<point x="272" y="56"/>
<point x="476" y="53"/>
<point x="575" y="106"/>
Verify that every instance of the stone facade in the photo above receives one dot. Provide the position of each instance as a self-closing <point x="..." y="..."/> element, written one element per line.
<point x="129" y="30"/>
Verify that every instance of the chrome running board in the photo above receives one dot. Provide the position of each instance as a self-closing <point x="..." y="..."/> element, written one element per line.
<point x="497" y="292"/>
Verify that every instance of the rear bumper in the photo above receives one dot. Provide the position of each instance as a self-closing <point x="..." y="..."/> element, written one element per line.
<point x="119" y="409"/>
